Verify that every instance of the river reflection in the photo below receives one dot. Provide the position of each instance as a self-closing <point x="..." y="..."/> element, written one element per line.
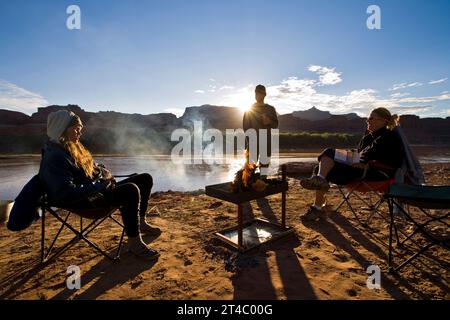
<point x="167" y="175"/>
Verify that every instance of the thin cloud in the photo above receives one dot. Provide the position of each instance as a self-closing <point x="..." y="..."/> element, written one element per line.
<point x="212" y="88"/>
<point x="199" y="91"/>
<point x="400" y="95"/>
<point x="226" y="88"/>
<point x="426" y="99"/>
<point x="293" y="94"/>
<point x="437" y="81"/>
<point x="327" y="76"/>
<point x="15" y="98"/>
<point x="405" y="85"/>
<point x="405" y="109"/>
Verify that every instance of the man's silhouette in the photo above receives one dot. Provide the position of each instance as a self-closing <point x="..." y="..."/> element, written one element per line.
<point x="260" y="116"/>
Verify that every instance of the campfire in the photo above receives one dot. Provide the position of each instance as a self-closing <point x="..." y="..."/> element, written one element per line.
<point x="247" y="179"/>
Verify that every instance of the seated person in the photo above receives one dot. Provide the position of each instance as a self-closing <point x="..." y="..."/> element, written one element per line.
<point x="73" y="181"/>
<point x="380" y="146"/>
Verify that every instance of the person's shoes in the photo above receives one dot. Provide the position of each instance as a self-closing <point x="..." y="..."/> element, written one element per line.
<point x="315" y="183"/>
<point x="140" y="249"/>
<point x="313" y="214"/>
<point x="146" y="254"/>
<point x="148" y="229"/>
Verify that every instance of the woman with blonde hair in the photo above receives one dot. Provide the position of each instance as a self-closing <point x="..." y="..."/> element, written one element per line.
<point x="73" y="181"/>
<point x="380" y="145"/>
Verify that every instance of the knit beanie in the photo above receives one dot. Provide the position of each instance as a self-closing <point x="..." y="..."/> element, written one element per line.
<point x="57" y="123"/>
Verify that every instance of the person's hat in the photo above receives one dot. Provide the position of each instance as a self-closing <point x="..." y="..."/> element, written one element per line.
<point x="260" y="88"/>
<point x="58" y="122"/>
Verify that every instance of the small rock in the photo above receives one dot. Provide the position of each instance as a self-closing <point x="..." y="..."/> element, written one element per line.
<point x="136" y="284"/>
<point x="160" y="276"/>
<point x="42" y="296"/>
<point x="187" y="262"/>
<point x="215" y="205"/>
<point x="352" y="292"/>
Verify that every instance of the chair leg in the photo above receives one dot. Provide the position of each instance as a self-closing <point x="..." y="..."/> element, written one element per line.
<point x="390" y="236"/>
<point x="61" y="250"/>
<point x="419" y="227"/>
<point x="79" y="235"/>
<point x="42" y="235"/>
<point x="117" y="257"/>
<point x="418" y="253"/>
<point x="91" y="227"/>
<point x="345" y="198"/>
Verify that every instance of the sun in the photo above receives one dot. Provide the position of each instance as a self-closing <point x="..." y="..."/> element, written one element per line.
<point x="241" y="100"/>
<point x="245" y="108"/>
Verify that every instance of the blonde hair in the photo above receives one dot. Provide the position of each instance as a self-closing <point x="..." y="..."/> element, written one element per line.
<point x="82" y="157"/>
<point x="393" y="120"/>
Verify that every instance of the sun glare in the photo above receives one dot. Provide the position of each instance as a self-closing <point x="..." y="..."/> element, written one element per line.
<point x="245" y="108"/>
<point x="242" y="100"/>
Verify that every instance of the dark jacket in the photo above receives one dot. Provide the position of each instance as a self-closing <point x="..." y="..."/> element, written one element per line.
<point x="63" y="181"/>
<point x="384" y="146"/>
<point x="253" y="117"/>
<point x="26" y="205"/>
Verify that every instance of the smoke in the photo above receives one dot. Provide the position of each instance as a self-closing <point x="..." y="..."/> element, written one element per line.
<point x="128" y="135"/>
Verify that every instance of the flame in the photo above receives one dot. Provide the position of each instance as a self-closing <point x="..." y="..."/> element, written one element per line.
<point x="247" y="155"/>
<point x="247" y="172"/>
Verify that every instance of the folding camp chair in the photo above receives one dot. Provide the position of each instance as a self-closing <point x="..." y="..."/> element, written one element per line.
<point x="423" y="198"/>
<point x="101" y="215"/>
<point x="410" y="172"/>
<point x="97" y="217"/>
<point x="374" y="191"/>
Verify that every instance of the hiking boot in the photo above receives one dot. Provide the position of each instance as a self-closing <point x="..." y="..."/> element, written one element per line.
<point x="145" y="253"/>
<point x="315" y="183"/>
<point x="148" y="229"/>
<point x="137" y="247"/>
<point x="313" y="214"/>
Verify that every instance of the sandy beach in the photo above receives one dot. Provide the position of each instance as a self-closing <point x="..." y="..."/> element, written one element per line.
<point x="324" y="259"/>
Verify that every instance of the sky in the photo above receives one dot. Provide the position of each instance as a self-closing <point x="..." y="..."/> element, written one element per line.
<point x="153" y="56"/>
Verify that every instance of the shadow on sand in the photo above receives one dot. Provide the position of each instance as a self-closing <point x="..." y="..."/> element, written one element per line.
<point x="284" y="278"/>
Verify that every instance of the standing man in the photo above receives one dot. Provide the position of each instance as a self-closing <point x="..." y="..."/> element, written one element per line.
<point x="260" y="116"/>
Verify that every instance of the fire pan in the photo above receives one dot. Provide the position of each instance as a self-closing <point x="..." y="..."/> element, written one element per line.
<point x="248" y="235"/>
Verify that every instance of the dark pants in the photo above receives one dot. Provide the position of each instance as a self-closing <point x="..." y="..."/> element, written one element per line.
<point x="144" y="183"/>
<point x="342" y="173"/>
<point x="130" y="195"/>
<point x="256" y="157"/>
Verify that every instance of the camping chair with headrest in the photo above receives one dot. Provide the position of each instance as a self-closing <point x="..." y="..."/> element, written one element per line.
<point x="433" y="228"/>
<point x="96" y="216"/>
<point x="409" y="173"/>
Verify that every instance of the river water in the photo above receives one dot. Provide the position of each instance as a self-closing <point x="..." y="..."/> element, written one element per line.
<point x="167" y="175"/>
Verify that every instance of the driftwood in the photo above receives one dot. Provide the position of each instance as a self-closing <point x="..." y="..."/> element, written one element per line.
<point x="299" y="168"/>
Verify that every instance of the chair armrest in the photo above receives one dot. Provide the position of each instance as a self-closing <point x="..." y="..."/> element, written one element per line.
<point x="378" y="165"/>
<point x="125" y="175"/>
<point x="374" y="164"/>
